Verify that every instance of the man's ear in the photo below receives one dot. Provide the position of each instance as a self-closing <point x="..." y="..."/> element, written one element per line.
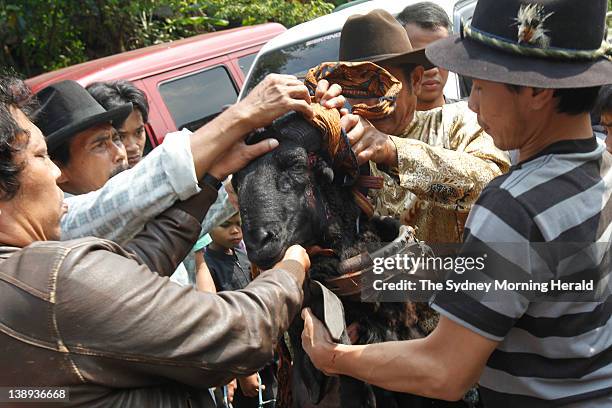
<point x="540" y="97"/>
<point x="416" y="78"/>
<point x="63" y="178"/>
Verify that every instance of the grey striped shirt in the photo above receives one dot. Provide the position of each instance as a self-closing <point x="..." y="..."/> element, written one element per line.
<point x="551" y="352"/>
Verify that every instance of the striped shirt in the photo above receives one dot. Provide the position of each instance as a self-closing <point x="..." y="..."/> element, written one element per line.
<point x="555" y="352"/>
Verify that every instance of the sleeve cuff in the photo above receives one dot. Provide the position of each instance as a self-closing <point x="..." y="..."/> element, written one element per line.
<point x="468" y="312"/>
<point x="295" y="269"/>
<point x="178" y="164"/>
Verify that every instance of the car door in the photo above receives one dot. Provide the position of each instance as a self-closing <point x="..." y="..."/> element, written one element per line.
<point x="242" y="61"/>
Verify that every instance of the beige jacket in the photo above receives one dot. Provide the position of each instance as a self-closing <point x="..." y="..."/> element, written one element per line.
<point x="445" y="160"/>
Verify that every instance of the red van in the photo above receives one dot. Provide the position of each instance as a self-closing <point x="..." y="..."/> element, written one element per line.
<point x="187" y="81"/>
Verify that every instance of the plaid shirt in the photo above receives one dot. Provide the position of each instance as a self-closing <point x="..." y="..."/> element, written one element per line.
<point x="122" y="207"/>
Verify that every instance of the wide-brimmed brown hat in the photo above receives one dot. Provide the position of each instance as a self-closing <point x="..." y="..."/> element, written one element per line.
<point x="538" y="43"/>
<point x="378" y="37"/>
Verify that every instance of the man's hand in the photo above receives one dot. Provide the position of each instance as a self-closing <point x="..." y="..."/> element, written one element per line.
<point x="297" y="253"/>
<point x="330" y="96"/>
<point x="272" y="98"/>
<point x="250" y="385"/>
<point x="317" y="342"/>
<point x="368" y="142"/>
<point x="238" y="156"/>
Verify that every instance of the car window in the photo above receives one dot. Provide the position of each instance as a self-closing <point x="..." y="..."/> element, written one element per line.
<point x="197" y="98"/>
<point x="245" y="63"/>
<point x="295" y="59"/>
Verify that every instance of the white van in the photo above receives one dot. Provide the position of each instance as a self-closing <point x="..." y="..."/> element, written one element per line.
<point x="307" y="45"/>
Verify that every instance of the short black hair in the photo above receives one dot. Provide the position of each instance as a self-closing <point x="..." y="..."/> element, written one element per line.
<point x="571" y="101"/>
<point x="13" y="139"/>
<point x="426" y="15"/>
<point x="604" y="101"/>
<point x="61" y="154"/>
<point x="407" y="70"/>
<point x="116" y="93"/>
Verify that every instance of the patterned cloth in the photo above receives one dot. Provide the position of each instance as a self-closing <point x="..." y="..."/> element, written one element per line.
<point x="121" y="208"/>
<point x="445" y="159"/>
<point x="361" y="80"/>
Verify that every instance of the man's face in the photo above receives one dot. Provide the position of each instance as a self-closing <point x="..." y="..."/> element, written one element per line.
<point x="434" y="79"/>
<point x="38" y="205"/>
<point x="500" y="112"/>
<point x="133" y="137"/>
<point x="229" y="233"/>
<point x="606" y="122"/>
<point x="96" y="155"/>
<point x="405" y="105"/>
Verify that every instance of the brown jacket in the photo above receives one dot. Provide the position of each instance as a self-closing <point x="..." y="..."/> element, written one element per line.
<point x="92" y="316"/>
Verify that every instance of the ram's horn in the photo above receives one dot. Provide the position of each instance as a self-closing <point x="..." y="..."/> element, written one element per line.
<point x="356" y="263"/>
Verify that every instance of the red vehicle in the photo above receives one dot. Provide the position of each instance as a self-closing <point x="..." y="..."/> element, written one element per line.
<point x="187" y="81"/>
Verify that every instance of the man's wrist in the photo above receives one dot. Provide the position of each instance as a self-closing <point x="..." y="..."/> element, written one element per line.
<point x="219" y="175"/>
<point x="334" y="352"/>
<point x="212" y="180"/>
<point x="241" y="118"/>
<point x="391" y="159"/>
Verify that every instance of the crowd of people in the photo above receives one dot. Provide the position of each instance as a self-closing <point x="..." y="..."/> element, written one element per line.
<point x="94" y="295"/>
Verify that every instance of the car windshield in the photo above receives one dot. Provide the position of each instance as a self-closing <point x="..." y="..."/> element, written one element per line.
<point x="295" y="59"/>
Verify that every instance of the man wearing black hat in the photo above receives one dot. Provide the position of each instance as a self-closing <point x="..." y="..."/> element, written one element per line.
<point x="80" y="136"/>
<point x="435" y="163"/>
<point x="537" y="68"/>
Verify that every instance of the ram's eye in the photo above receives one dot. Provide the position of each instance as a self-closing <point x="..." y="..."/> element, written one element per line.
<point x="298" y="167"/>
<point x="284" y="183"/>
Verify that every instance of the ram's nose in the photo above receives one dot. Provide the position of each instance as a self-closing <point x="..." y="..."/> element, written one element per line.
<point x="261" y="237"/>
<point x="264" y="246"/>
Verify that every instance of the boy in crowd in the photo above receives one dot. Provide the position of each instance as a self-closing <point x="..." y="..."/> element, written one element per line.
<point x="132" y="129"/>
<point x="230" y="270"/>
<point x="228" y="264"/>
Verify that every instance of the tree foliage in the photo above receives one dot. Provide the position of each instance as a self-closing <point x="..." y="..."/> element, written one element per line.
<point x="43" y="35"/>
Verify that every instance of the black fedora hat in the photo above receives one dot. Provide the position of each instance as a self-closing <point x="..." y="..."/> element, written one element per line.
<point x="66" y="108"/>
<point x="378" y="37"/>
<point x="537" y="43"/>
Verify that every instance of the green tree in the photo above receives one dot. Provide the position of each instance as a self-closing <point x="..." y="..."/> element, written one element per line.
<point x="43" y="35"/>
<point x="39" y="35"/>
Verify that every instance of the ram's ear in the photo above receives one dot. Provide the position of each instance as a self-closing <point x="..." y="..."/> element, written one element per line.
<point x="328" y="173"/>
<point x="322" y="169"/>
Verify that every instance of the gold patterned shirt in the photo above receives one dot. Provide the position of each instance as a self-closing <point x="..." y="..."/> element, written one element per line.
<point x="445" y="159"/>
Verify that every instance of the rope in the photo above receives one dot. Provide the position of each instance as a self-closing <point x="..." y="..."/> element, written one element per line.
<point x="605" y="51"/>
<point x="327" y="121"/>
